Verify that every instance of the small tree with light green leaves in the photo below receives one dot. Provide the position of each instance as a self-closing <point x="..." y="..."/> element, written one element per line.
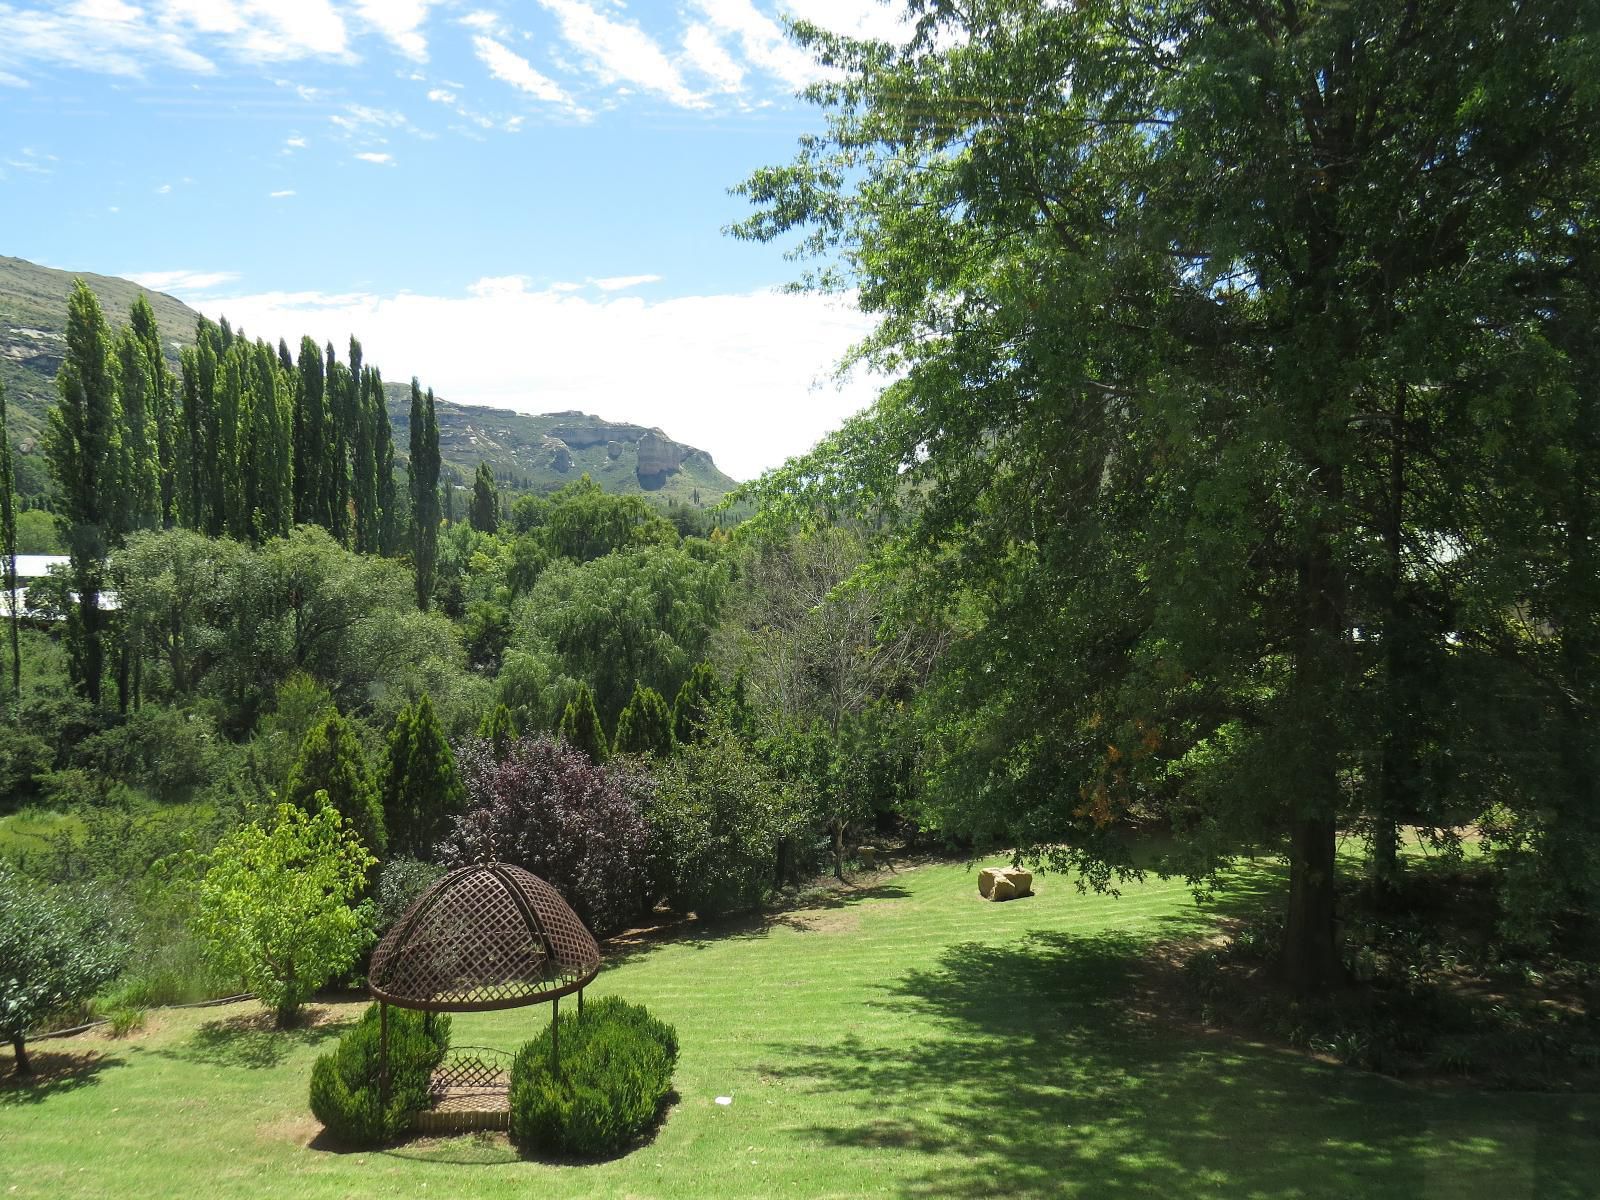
<point x="275" y="907"/>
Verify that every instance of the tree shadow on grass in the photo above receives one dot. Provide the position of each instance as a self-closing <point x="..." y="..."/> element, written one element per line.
<point x="1041" y="1072"/>
<point x="252" y="1041"/>
<point x="54" y="1072"/>
<point x="800" y="915"/>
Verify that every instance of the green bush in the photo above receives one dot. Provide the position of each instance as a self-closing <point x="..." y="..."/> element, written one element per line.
<point x="344" y="1082"/>
<point x="615" y="1071"/>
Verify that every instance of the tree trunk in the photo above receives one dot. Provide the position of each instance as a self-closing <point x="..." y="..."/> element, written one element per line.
<point x="1310" y="950"/>
<point x="24" y="1067"/>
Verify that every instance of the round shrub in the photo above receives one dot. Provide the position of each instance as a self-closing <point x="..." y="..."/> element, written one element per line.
<point x="345" y="1093"/>
<point x="615" y="1072"/>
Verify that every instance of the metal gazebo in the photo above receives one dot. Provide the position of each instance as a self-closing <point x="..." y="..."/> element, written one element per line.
<point x="486" y="936"/>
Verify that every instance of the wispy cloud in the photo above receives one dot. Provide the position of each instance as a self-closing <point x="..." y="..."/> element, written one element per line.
<point x="617" y="283"/>
<point x="621" y="53"/>
<point x="510" y="67"/>
<point x="373" y="156"/>
<point x="441" y="96"/>
<point x="280" y="194"/>
<point x="294" y="142"/>
<point x="696" y="360"/>
<point x="164" y="189"/>
<point x="706" y="54"/>
<point x="182" y="281"/>
<point x="31" y="161"/>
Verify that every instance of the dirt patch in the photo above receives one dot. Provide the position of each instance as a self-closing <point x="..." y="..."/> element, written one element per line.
<point x="295" y="1129"/>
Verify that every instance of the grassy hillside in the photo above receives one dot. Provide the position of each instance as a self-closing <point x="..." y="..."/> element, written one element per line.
<point x="536" y="452"/>
<point x="903" y="1038"/>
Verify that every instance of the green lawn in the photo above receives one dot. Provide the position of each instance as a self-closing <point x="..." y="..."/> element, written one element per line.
<point x="910" y="1040"/>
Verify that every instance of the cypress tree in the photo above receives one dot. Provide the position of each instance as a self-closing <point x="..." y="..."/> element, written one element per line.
<point x="421" y="788"/>
<point x="484" y="512"/>
<point x="285" y="359"/>
<point x="310" y="435"/>
<point x="8" y="542"/>
<point x="212" y="342"/>
<point x="424" y="472"/>
<point x="692" y="709"/>
<point x="331" y="761"/>
<point x="645" y="726"/>
<point x="580" y="725"/>
<point x="499" y="729"/>
<point x="84" y="450"/>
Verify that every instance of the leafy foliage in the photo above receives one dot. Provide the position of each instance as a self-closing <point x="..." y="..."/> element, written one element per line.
<point x="552" y="810"/>
<point x="345" y="1086"/>
<point x="720" y="819"/>
<point x="53" y="953"/>
<point x="615" y="1071"/>
<point x="275" y="909"/>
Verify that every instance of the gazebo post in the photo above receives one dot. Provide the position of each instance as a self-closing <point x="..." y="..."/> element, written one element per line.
<point x="383" y="1054"/>
<point x="580" y="1004"/>
<point x="555" y="1034"/>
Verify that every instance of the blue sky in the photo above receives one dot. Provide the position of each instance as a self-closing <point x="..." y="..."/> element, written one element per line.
<point x="522" y="203"/>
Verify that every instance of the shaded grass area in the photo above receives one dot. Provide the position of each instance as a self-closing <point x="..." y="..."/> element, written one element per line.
<point x="902" y="1039"/>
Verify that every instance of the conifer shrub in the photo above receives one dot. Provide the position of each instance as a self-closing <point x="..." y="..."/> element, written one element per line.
<point x="614" y="1074"/>
<point x="345" y="1088"/>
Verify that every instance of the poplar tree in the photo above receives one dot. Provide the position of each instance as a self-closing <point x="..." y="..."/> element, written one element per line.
<point x="8" y="543"/>
<point x="161" y="403"/>
<point x="310" y="435"/>
<point x="364" y="458"/>
<point x="232" y="482"/>
<point x="484" y="511"/>
<point x="421" y="789"/>
<point x="389" y="519"/>
<point x="84" y="449"/>
<point x="424" y="473"/>
<point x="336" y="452"/>
<point x="271" y="496"/>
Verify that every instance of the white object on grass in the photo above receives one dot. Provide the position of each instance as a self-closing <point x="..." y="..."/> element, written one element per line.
<point x="724" y="1100"/>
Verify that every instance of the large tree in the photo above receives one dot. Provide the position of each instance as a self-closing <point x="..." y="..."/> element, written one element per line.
<point x="1198" y="310"/>
<point x="483" y="513"/>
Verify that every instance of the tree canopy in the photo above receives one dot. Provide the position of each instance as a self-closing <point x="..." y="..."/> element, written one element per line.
<point x="1219" y="333"/>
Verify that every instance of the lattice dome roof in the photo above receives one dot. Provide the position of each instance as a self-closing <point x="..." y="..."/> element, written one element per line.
<point x="485" y="936"/>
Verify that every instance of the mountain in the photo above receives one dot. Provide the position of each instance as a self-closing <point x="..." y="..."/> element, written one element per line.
<point x="535" y="452"/>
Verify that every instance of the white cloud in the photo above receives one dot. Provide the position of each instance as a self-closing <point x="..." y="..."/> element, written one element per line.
<point x="621" y="53"/>
<point x="163" y="189"/>
<point x="733" y="374"/>
<point x="372" y="156"/>
<point x="358" y="117"/>
<point x="294" y="142"/>
<point x="485" y="22"/>
<point x="871" y="19"/>
<point x="703" y="52"/>
<point x="182" y="281"/>
<point x="510" y="67"/>
<point x="78" y="39"/>
<point x="401" y="22"/>
<point x="9" y="80"/>
<point x="279" y="195"/>
<point x="619" y="283"/>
